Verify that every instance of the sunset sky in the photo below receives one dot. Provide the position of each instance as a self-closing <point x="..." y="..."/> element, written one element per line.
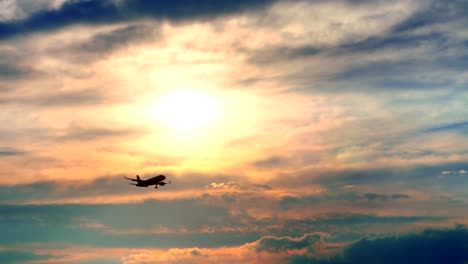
<point x="331" y="132"/>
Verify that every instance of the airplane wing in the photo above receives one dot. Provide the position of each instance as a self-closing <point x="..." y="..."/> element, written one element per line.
<point x="130" y="179"/>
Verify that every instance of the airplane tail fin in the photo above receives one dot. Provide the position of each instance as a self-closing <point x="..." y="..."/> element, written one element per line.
<point x="138" y="178"/>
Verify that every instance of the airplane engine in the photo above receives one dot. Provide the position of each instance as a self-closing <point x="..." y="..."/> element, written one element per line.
<point x="162" y="183"/>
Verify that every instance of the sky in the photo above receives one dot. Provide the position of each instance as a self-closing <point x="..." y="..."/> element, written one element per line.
<point x="293" y="131"/>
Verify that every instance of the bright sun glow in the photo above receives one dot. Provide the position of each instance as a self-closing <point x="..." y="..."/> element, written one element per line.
<point x="186" y="110"/>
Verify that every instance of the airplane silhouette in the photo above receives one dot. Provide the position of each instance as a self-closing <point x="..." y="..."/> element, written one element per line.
<point x="158" y="180"/>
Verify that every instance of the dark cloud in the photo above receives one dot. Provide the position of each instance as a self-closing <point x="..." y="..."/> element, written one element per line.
<point x="11" y="72"/>
<point x="411" y="84"/>
<point x="376" y="69"/>
<point x="430" y="246"/>
<point x="103" y="260"/>
<point x="107" y="11"/>
<point x="271" y="162"/>
<point x="262" y="186"/>
<point x="461" y="127"/>
<point x="87" y="96"/>
<point x="426" y="72"/>
<point x="118" y="37"/>
<point x="99" y="45"/>
<point x="10" y="152"/>
<point x="283" y="53"/>
<point x="434" y="71"/>
<point x="397" y="196"/>
<point x="17" y="256"/>
<point x="406" y="73"/>
<point x="58" y="99"/>
<point x="439" y="56"/>
<point x="384" y="197"/>
<point x="411" y="73"/>
<point x="375" y="196"/>
<point x="196" y="253"/>
<point x="379" y="43"/>
<point x="437" y="12"/>
<point x="78" y="133"/>
<point x="392" y="41"/>
<point x="411" y="176"/>
<point x="368" y="219"/>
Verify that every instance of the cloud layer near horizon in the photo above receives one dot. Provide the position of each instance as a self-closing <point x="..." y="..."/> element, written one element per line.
<point x="428" y="246"/>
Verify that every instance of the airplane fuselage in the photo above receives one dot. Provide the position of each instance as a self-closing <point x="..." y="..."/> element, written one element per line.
<point x="158" y="180"/>
<point x="153" y="181"/>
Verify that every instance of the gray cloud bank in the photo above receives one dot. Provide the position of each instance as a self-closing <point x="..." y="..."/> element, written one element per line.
<point x="430" y="246"/>
<point x="107" y="11"/>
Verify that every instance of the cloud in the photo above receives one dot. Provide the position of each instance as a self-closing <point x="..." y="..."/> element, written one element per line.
<point x="309" y="144"/>
<point x="104" y="12"/>
<point x="235" y="185"/>
<point x="113" y="188"/>
<point x="101" y="44"/>
<point x="206" y="220"/>
<point x="113" y="225"/>
<point x="18" y="256"/>
<point x="223" y="185"/>
<point x="262" y="186"/>
<point x="79" y="133"/>
<point x="12" y="10"/>
<point x="447" y="172"/>
<point x="379" y="43"/>
<point x="392" y="41"/>
<point x="10" y="152"/>
<point x="383" y="197"/>
<point x="57" y="99"/>
<point x="12" y="72"/>
<point x="285" y="53"/>
<point x="380" y="57"/>
<point x="396" y="196"/>
<point x="461" y="127"/>
<point x="430" y="246"/>
<point x="285" y="244"/>
<point x="271" y="162"/>
<point x="196" y="252"/>
<point x="418" y="173"/>
<point x="290" y="202"/>
<point x="437" y="12"/>
<point x="395" y="74"/>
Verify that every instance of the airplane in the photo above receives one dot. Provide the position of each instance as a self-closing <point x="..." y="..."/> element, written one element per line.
<point x="157" y="180"/>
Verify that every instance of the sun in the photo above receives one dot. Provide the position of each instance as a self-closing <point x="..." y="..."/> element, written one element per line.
<point x="186" y="110"/>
